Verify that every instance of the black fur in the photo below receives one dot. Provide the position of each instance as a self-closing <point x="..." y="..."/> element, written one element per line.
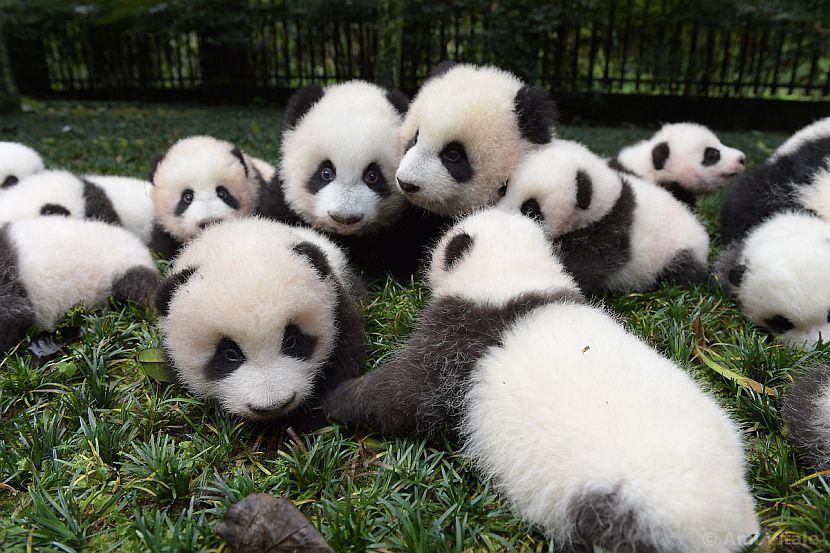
<point x="801" y="415"/>
<point x="98" y="206"/>
<point x="9" y="181"/>
<point x="297" y="344"/>
<point x="536" y="112"/>
<point x="165" y="291"/>
<point x="727" y="271"/>
<point x="237" y="153"/>
<point x="316" y="182"/>
<point x="229" y="199"/>
<point x="399" y="101"/>
<point x="226" y="359"/>
<point x="300" y="103"/>
<point x="770" y="188"/>
<point x="616" y="165"/>
<point x="459" y="169"/>
<point x="315" y="257"/>
<point x="381" y="187"/>
<point x="136" y="285"/>
<point x="599" y="519"/>
<point x="17" y="313"/>
<point x="163" y="243"/>
<point x="154" y="165"/>
<point x="594" y="253"/>
<point x="441" y="69"/>
<point x="271" y="204"/>
<point x="659" y="155"/>
<point x="584" y="190"/>
<point x="677" y="190"/>
<point x="456" y="248"/>
<point x="54" y="209"/>
<point x="420" y="390"/>
<point x="683" y="269"/>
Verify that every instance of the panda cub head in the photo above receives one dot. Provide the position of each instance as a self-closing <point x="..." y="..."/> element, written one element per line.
<point x="563" y="185"/>
<point x="492" y="256"/>
<point x="778" y="275"/>
<point x="45" y="193"/>
<point x="465" y="132"/>
<point x="17" y="161"/>
<point x="199" y="181"/>
<point x="250" y="315"/>
<point x="688" y="154"/>
<point x="339" y="156"/>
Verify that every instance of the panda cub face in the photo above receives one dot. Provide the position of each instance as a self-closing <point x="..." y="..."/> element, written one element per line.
<point x="492" y="256"/>
<point x="248" y="316"/>
<point x="564" y="185"/>
<point x="199" y="181"/>
<point x="339" y="157"/>
<point x="780" y="279"/>
<point x="465" y="132"/>
<point x="46" y="193"/>
<point x="17" y="162"/>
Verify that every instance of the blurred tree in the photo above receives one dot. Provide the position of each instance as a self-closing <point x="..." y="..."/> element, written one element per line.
<point x="390" y="30"/>
<point x="9" y="99"/>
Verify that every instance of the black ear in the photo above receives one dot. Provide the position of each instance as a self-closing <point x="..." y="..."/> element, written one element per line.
<point x="165" y="291"/>
<point x="301" y="102"/>
<point x="237" y="153"/>
<point x="315" y="256"/>
<point x="154" y="165"/>
<point x="584" y="190"/>
<point x="659" y="155"/>
<point x="457" y="247"/>
<point x="441" y="69"/>
<point x="736" y="275"/>
<point x="399" y="101"/>
<point x="536" y="112"/>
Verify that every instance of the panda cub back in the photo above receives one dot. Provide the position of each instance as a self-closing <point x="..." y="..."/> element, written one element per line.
<point x="17" y="161"/>
<point x="811" y="133"/>
<point x="807" y="412"/>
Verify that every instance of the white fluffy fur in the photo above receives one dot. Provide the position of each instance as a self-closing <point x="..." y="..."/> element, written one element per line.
<point x="266" y="170"/>
<point x="815" y="131"/>
<point x="26" y="199"/>
<point x="200" y="164"/>
<point x="687" y="143"/>
<point x="472" y="105"/>
<point x="248" y="286"/>
<point x="18" y="160"/>
<point x="572" y="403"/>
<point x="353" y="125"/>
<point x="65" y="262"/>
<point x="131" y="200"/>
<point x="816" y="195"/>
<point x="787" y="263"/>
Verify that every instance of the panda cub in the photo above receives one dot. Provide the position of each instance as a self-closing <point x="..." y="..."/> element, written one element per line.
<point x="797" y="177"/>
<point x="339" y="157"/>
<point x="778" y="276"/>
<point x="200" y="180"/>
<point x="687" y="159"/>
<point x="262" y="317"/>
<point x="17" y="161"/>
<point x="50" y="264"/>
<point x="582" y="426"/>
<point x="465" y="132"/>
<point x="615" y="232"/>
<point x="807" y="412"/>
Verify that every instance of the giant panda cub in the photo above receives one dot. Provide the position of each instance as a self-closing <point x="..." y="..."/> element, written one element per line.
<point x="615" y="232"/>
<point x="807" y="412"/>
<point x="17" y="161"/>
<point x="465" y="132"/>
<point x="586" y="430"/>
<point x="200" y="180"/>
<point x="50" y="264"/>
<point x="339" y="157"/>
<point x="778" y="276"/>
<point x="262" y="317"/>
<point x="687" y="159"/>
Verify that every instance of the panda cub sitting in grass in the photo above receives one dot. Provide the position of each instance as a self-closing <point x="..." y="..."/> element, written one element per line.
<point x="51" y="264"/>
<point x="17" y="161"/>
<point x="687" y="159"/>
<point x="262" y="317"/>
<point x="807" y="412"/>
<point x="199" y="181"/>
<point x="615" y="232"/>
<point x="778" y="274"/>
<point x="337" y="175"/>
<point x="586" y="430"/>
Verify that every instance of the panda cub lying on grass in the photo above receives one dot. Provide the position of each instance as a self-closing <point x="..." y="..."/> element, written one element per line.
<point x="262" y="317"/>
<point x="615" y="231"/>
<point x="590" y="433"/>
<point x="17" y="161"/>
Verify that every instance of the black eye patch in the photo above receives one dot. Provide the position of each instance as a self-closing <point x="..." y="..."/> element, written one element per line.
<point x="375" y="180"/>
<point x="225" y="195"/>
<point x="296" y="343"/>
<point x="184" y="201"/>
<point x="530" y="208"/>
<point x="779" y="324"/>
<point x="455" y="161"/>
<point x="226" y="359"/>
<point x="457" y="247"/>
<point x="584" y="190"/>
<point x="659" y="155"/>
<point x="321" y="177"/>
<point x="9" y="181"/>
<point x="54" y="209"/>
<point x="710" y="156"/>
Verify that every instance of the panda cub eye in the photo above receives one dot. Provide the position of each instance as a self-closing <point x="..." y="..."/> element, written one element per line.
<point x="530" y="208"/>
<point x="711" y="156"/>
<point x="226" y="359"/>
<point x="371" y="177"/>
<point x="327" y="171"/>
<point x="296" y="343"/>
<point x="452" y="154"/>
<point x="187" y="196"/>
<point x="222" y="193"/>
<point x="779" y="324"/>
<point x="11" y="180"/>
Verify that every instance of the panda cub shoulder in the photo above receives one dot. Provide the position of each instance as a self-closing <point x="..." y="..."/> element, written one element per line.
<point x="200" y="180"/>
<point x="807" y="412"/>
<point x="811" y="133"/>
<point x="130" y="199"/>
<point x="51" y="264"/>
<point x="17" y="161"/>
<point x="615" y="232"/>
<point x="262" y="317"/>
<point x="687" y="159"/>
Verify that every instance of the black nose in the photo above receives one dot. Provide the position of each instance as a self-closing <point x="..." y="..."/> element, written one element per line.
<point x="346" y="219"/>
<point x="742" y="160"/>
<point x="408" y="187"/>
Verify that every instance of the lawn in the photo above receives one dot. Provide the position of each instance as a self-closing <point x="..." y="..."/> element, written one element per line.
<point x="95" y="455"/>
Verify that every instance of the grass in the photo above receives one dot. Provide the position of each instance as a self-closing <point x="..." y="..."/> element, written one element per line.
<point x="95" y="455"/>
